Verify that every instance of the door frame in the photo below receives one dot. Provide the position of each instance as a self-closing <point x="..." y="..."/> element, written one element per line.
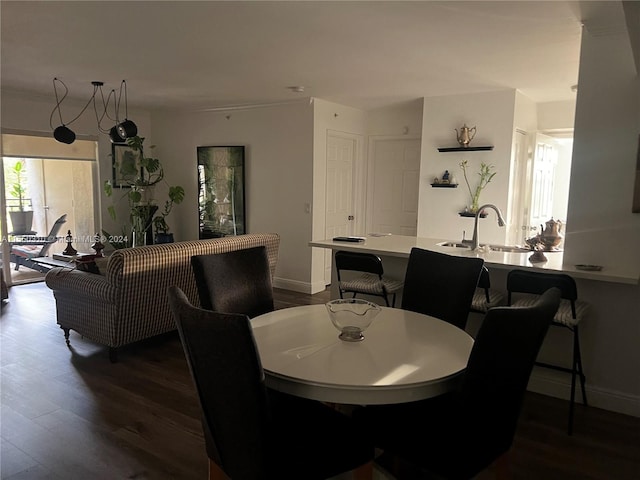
<point x="95" y="176"/>
<point x="358" y="192"/>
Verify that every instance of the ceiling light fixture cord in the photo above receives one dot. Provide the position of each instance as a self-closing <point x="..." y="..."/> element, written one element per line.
<point x="105" y="106"/>
<point x="120" y="132"/>
<point x="126" y="103"/>
<point x="59" y="102"/>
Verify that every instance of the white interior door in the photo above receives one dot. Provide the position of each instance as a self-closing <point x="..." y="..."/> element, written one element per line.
<point x="339" y="213"/>
<point x="543" y="178"/>
<point x="394" y="183"/>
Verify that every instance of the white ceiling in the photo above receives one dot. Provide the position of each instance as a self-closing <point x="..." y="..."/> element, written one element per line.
<point x="365" y="54"/>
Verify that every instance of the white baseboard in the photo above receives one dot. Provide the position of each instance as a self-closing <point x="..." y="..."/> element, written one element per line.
<point x="297" y="286"/>
<point x="546" y="382"/>
<point x="293" y="285"/>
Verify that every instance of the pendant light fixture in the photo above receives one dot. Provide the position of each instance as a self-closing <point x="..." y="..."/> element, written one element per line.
<point x="118" y="133"/>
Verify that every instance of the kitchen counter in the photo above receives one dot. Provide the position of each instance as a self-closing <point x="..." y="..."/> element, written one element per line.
<point x="400" y="246"/>
<point x="609" y="335"/>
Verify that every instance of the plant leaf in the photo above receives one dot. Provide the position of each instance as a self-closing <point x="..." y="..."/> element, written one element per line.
<point x="176" y="194"/>
<point x="135" y="196"/>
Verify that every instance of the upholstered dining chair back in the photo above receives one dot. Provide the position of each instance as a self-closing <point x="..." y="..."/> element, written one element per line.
<point x="235" y="282"/>
<point x="536" y="283"/>
<point x="229" y="380"/>
<point x="460" y="434"/>
<point x="441" y="285"/>
<point x="251" y="432"/>
<point x="500" y="364"/>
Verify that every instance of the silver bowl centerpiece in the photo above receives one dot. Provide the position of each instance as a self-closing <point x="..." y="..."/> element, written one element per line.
<point x="351" y="317"/>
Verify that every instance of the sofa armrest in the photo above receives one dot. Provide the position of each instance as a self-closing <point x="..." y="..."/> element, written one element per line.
<point x="82" y="284"/>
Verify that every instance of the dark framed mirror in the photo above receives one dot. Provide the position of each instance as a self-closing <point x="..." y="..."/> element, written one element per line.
<point x="221" y="205"/>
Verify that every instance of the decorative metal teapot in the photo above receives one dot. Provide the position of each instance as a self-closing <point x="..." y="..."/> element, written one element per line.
<point x="550" y="235"/>
<point x="465" y="135"/>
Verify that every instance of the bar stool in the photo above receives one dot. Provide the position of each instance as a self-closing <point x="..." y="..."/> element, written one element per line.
<point x="484" y="298"/>
<point x="371" y="280"/>
<point x="569" y="315"/>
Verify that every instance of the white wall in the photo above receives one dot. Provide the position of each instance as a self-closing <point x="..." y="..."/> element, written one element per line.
<point x="278" y="144"/>
<point x="600" y="227"/>
<point x="492" y="114"/>
<point x="400" y="120"/>
<point x="525" y="115"/>
<point x="556" y="115"/>
<point x="604" y="155"/>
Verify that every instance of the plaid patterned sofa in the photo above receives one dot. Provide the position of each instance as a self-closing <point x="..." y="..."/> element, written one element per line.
<point x="129" y="302"/>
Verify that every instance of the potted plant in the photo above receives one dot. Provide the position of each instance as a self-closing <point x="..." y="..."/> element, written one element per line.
<point x="486" y="175"/>
<point x="176" y="195"/>
<point x="21" y="216"/>
<point x="141" y="174"/>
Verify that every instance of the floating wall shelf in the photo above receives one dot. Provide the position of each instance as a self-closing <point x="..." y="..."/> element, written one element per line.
<point x="467" y="149"/>
<point x="472" y="215"/>
<point x="444" y="185"/>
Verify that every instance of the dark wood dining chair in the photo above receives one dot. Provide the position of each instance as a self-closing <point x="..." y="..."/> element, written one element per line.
<point x="441" y="285"/>
<point x="370" y="278"/>
<point x="255" y="433"/>
<point x="458" y="435"/>
<point x="235" y="282"/>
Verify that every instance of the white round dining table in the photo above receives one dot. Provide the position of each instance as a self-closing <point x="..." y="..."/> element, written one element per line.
<point x="404" y="357"/>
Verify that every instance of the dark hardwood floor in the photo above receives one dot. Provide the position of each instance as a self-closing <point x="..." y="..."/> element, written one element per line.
<point x="71" y="414"/>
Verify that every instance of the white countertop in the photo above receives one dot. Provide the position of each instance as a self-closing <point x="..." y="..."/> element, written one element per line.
<point x="401" y="245"/>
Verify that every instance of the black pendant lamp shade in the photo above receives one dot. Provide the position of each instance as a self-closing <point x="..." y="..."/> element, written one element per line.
<point x="117" y="134"/>
<point x="127" y="129"/>
<point x="114" y="136"/>
<point x="64" y="134"/>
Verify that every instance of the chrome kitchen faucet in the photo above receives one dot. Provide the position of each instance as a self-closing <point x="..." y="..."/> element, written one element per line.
<point x="474" y="240"/>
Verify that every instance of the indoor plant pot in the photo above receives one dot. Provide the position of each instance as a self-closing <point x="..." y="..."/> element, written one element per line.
<point x="163" y="238"/>
<point x="21" y="219"/>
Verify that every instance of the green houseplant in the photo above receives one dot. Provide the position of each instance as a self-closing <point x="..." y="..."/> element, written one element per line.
<point x="176" y="195"/>
<point x="485" y="174"/>
<point x="141" y="173"/>
<point x="21" y="215"/>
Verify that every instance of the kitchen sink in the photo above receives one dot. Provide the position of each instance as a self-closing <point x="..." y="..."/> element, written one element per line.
<point x="492" y="248"/>
<point x="507" y="248"/>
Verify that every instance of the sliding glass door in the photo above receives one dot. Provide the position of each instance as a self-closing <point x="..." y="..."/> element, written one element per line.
<point x="42" y="183"/>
